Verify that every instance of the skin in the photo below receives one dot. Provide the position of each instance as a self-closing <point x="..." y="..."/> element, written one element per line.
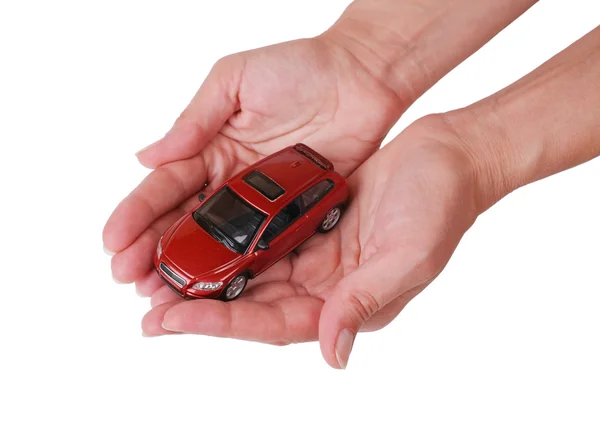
<point x="412" y="201"/>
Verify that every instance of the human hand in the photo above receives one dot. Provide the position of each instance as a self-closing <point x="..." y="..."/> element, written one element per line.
<point x="411" y="203"/>
<point x="339" y="92"/>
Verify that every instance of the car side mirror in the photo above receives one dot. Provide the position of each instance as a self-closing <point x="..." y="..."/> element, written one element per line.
<point x="262" y="245"/>
<point x="201" y="196"/>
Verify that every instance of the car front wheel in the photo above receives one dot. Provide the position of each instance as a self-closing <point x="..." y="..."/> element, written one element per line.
<point x="235" y="288"/>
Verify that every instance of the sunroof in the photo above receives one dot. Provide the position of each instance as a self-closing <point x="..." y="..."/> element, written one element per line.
<point x="264" y="185"/>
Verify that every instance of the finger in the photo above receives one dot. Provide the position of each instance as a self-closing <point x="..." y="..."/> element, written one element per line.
<point x="134" y="262"/>
<point x="211" y="107"/>
<point x="285" y="321"/>
<point x="161" y="191"/>
<point x="149" y="284"/>
<point x="390" y="311"/>
<point x="164" y="295"/>
<point x="151" y="323"/>
<point x="358" y="297"/>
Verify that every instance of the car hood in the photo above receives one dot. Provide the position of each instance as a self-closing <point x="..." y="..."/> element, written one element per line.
<point x="196" y="252"/>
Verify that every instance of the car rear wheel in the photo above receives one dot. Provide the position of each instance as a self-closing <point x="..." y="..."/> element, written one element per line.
<point x="331" y="219"/>
<point x="235" y="288"/>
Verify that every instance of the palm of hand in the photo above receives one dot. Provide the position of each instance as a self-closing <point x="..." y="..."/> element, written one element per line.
<point x="308" y="91"/>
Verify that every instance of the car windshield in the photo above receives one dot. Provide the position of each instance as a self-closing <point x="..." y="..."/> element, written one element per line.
<point x="229" y="219"/>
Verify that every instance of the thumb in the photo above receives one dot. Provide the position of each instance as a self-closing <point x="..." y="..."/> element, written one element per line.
<point x="209" y="110"/>
<point x="355" y="300"/>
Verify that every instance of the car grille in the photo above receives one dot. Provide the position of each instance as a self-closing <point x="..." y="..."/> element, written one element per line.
<point x="172" y="275"/>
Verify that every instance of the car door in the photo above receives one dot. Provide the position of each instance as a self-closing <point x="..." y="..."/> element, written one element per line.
<point x="311" y="199"/>
<point x="286" y="230"/>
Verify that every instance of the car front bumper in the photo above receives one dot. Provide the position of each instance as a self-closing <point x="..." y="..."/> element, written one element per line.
<point x="181" y="290"/>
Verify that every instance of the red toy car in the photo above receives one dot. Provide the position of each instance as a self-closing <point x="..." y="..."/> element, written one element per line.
<point x="249" y="223"/>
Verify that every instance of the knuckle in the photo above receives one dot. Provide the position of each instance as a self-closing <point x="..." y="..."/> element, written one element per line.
<point x="432" y="266"/>
<point x="225" y="63"/>
<point x="183" y="116"/>
<point x="363" y="305"/>
<point x="187" y="117"/>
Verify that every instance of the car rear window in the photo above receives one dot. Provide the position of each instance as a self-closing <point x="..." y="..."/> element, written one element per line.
<point x="264" y="185"/>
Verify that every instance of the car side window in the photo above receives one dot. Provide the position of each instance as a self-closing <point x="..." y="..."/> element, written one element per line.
<point x="282" y="220"/>
<point x="315" y="193"/>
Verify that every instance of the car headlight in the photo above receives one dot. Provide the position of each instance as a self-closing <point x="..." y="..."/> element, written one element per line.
<point x="159" y="247"/>
<point x="207" y="286"/>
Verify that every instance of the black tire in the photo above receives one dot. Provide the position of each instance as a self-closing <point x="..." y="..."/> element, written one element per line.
<point x="233" y="290"/>
<point x="328" y="223"/>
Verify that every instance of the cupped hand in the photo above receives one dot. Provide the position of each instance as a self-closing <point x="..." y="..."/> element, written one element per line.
<point x="411" y="202"/>
<point x="251" y="105"/>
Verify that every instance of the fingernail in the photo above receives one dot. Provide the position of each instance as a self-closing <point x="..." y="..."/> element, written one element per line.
<point x="108" y="251"/>
<point x="137" y="291"/>
<point x="145" y="148"/>
<point x="343" y="347"/>
<point x="170" y="328"/>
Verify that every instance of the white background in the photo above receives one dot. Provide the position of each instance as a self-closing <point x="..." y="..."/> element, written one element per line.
<point x="507" y="337"/>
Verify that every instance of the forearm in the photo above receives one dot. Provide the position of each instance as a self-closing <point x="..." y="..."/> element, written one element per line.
<point x="409" y="45"/>
<point x="547" y="122"/>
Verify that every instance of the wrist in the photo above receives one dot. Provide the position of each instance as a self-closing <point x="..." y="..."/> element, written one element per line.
<point x="368" y="31"/>
<point x="409" y="46"/>
<point x="543" y="124"/>
<point x="490" y="159"/>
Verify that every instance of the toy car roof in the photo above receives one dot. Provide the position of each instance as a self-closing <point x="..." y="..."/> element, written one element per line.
<point x="280" y="177"/>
